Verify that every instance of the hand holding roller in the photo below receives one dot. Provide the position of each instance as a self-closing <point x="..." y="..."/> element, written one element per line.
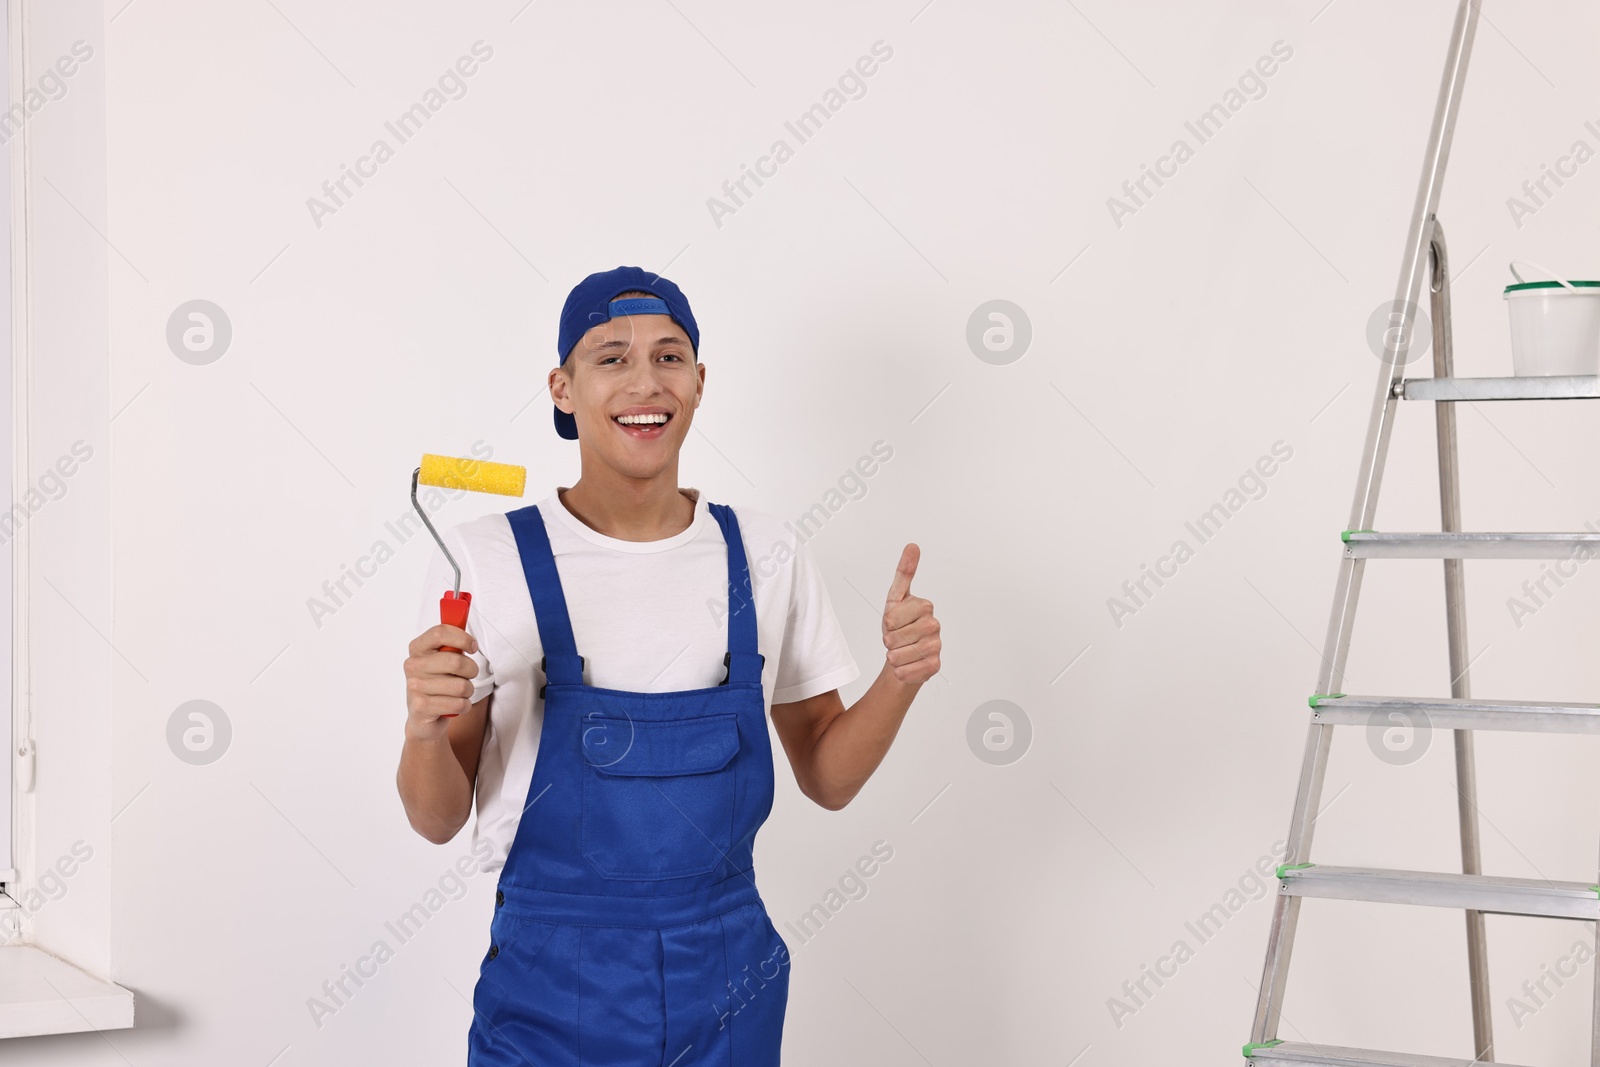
<point x="474" y="475"/>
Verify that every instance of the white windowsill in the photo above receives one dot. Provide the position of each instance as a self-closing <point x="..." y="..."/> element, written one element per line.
<point x="43" y="994"/>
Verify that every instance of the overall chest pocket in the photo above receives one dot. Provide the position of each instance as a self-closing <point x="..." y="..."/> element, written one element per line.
<point x="658" y="797"/>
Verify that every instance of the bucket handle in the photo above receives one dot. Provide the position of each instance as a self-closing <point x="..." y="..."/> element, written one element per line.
<point x="1541" y="270"/>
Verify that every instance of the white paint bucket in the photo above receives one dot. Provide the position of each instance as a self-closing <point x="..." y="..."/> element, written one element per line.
<point x="1555" y="325"/>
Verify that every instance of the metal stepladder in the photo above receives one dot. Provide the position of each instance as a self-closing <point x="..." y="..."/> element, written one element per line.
<point x="1472" y="891"/>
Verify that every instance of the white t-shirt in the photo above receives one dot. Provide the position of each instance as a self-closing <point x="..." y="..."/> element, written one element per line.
<point x="648" y="617"/>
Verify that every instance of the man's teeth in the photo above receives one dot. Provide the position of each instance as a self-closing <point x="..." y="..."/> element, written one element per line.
<point x="642" y="420"/>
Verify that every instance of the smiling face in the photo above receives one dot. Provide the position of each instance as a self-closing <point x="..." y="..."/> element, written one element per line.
<point x="632" y="385"/>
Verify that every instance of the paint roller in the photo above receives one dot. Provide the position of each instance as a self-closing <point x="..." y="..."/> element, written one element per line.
<point x="475" y="476"/>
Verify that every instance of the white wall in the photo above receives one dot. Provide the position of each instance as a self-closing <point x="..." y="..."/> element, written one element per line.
<point x="67" y="669"/>
<point x="1226" y="315"/>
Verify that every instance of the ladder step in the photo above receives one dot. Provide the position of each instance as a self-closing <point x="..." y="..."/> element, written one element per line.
<point x="1369" y="544"/>
<point x="1550" y="718"/>
<point x="1554" y="387"/>
<point x="1297" y="1052"/>
<point x="1477" y="892"/>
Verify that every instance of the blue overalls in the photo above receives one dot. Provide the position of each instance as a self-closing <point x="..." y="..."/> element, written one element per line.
<point x="627" y="928"/>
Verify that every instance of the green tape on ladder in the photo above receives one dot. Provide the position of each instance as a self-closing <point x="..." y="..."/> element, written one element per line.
<point x="1292" y="867"/>
<point x="1314" y="697"/>
<point x="1345" y="535"/>
<point x="1250" y="1049"/>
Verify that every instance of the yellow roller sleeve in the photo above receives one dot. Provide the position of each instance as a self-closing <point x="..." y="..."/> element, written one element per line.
<point x="474" y="475"/>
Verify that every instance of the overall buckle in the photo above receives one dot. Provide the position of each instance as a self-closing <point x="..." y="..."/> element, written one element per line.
<point x="543" y="668"/>
<point x="727" y="665"/>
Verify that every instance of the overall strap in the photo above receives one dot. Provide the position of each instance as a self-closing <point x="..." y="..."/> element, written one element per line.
<point x="562" y="664"/>
<point x="744" y="662"/>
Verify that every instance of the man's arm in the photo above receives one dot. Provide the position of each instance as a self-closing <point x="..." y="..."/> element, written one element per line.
<point x="439" y="761"/>
<point x="833" y="750"/>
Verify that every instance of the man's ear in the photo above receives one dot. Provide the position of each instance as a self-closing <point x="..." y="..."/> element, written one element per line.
<point x="558" y="384"/>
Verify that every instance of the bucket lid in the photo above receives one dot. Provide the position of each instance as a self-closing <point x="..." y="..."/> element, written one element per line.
<point x="1521" y="286"/>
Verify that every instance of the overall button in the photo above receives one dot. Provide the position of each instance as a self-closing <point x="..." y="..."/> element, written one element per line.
<point x="499" y="898"/>
<point x="494" y="950"/>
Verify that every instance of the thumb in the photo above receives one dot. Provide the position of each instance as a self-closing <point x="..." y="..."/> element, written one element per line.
<point x="903" y="574"/>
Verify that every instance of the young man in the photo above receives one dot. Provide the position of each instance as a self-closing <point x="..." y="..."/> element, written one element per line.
<point x="610" y="715"/>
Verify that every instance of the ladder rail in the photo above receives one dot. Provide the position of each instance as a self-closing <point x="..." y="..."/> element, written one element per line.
<point x="1415" y="266"/>
<point x="1286" y="911"/>
<point x="1456" y="630"/>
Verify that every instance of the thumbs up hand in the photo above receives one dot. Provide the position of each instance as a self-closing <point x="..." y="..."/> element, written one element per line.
<point x="910" y="632"/>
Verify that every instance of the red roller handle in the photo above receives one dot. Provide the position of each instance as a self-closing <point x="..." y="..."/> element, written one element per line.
<point x="453" y="612"/>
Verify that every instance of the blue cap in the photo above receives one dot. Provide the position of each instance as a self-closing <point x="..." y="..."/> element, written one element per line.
<point x="594" y="300"/>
